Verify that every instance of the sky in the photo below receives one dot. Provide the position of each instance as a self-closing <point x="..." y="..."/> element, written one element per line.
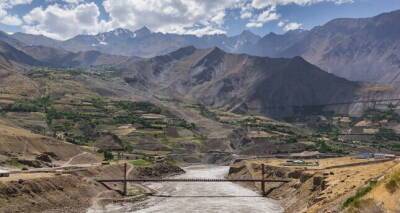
<point x="64" y="19"/>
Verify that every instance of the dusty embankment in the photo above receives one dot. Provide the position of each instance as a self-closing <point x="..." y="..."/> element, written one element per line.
<point x="322" y="187"/>
<point x="56" y="194"/>
<point x="74" y="192"/>
<point x="383" y="196"/>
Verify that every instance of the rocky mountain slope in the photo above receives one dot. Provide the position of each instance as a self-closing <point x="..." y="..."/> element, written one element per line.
<point x="40" y="54"/>
<point x="358" y="49"/>
<point x="237" y="82"/>
<point x="11" y="55"/>
<point x="61" y="58"/>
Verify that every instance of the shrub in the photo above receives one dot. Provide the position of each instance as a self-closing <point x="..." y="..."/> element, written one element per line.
<point x="184" y="124"/>
<point x="394" y="183"/>
<point x="395" y="147"/>
<point x="392" y="186"/>
<point x="36" y="105"/>
<point x="142" y="106"/>
<point x="24" y="106"/>
<point x="292" y="139"/>
<point x="207" y="113"/>
<point x="387" y="134"/>
<point x="323" y="147"/>
<point x="108" y="156"/>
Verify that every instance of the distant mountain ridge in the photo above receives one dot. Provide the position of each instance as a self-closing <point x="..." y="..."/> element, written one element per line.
<point x="142" y="43"/>
<point x="366" y="49"/>
<point x="60" y="58"/>
<point x="21" y="53"/>
<point x="12" y="56"/>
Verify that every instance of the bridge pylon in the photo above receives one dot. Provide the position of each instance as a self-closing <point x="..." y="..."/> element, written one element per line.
<point x="264" y="194"/>
<point x="125" y="190"/>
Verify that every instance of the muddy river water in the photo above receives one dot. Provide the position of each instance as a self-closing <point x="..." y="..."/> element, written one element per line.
<point x="200" y="197"/>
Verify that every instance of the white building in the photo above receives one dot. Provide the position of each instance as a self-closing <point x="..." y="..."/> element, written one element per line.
<point x="4" y="173"/>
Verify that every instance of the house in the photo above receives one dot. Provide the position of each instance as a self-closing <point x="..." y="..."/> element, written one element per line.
<point x="383" y="156"/>
<point x="379" y="156"/>
<point x="60" y="136"/>
<point x="365" y="155"/>
<point x="4" y="173"/>
<point x="370" y="131"/>
<point x="364" y="123"/>
<point x="305" y="155"/>
<point x="345" y="119"/>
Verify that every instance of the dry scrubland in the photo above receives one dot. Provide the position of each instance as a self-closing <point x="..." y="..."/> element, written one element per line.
<point x="337" y="184"/>
<point x="18" y="142"/>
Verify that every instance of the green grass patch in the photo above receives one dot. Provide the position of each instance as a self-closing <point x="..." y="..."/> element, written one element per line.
<point x="14" y="163"/>
<point x="140" y="162"/>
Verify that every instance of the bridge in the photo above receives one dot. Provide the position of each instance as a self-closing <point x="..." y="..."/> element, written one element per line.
<point x="192" y="180"/>
<point x="125" y="180"/>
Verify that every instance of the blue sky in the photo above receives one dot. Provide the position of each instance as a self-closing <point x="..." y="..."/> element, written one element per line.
<point x="63" y="19"/>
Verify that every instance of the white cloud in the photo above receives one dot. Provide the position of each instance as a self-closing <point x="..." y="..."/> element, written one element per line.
<point x="12" y="3"/>
<point x="9" y="19"/>
<point x="60" y="22"/>
<point x="65" y="1"/>
<point x="291" y="26"/>
<point x="73" y="1"/>
<point x="246" y="15"/>
<point x="63" y="19"/>
<point x="288" y="26"/>
<point x="268" y="15"/>
<point x="254" y="25"/>
<point x="178" y="16"/>
<point x="260" y="4"/>
<point x="264" y="17"/>
<point x="260" y="12"/>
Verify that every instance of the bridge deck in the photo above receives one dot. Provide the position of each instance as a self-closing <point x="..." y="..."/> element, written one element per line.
<point x="193" y="180"/>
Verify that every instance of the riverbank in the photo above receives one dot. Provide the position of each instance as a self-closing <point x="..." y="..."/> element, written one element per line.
<point x="75" y="191"/>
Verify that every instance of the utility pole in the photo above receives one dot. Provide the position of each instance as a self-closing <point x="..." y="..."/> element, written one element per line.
<point x="125" y="182"/>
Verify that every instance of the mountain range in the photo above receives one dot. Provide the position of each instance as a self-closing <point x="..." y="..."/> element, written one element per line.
<point x="366" y="49"/>
<point x="240" y="73"/>
<point x="213" y="77"/>
<point x="142" y="43"/>
<point x="237" y="82"/>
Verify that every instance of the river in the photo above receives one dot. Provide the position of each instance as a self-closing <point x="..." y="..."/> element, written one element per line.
<point x="200" y="197"/>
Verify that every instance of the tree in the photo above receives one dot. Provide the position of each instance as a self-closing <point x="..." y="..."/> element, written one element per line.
<point x="108" y="155"/>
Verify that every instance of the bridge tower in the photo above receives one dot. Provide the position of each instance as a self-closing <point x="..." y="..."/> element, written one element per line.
<point x="125" y="190"/>
<point x="262" y="180"/>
